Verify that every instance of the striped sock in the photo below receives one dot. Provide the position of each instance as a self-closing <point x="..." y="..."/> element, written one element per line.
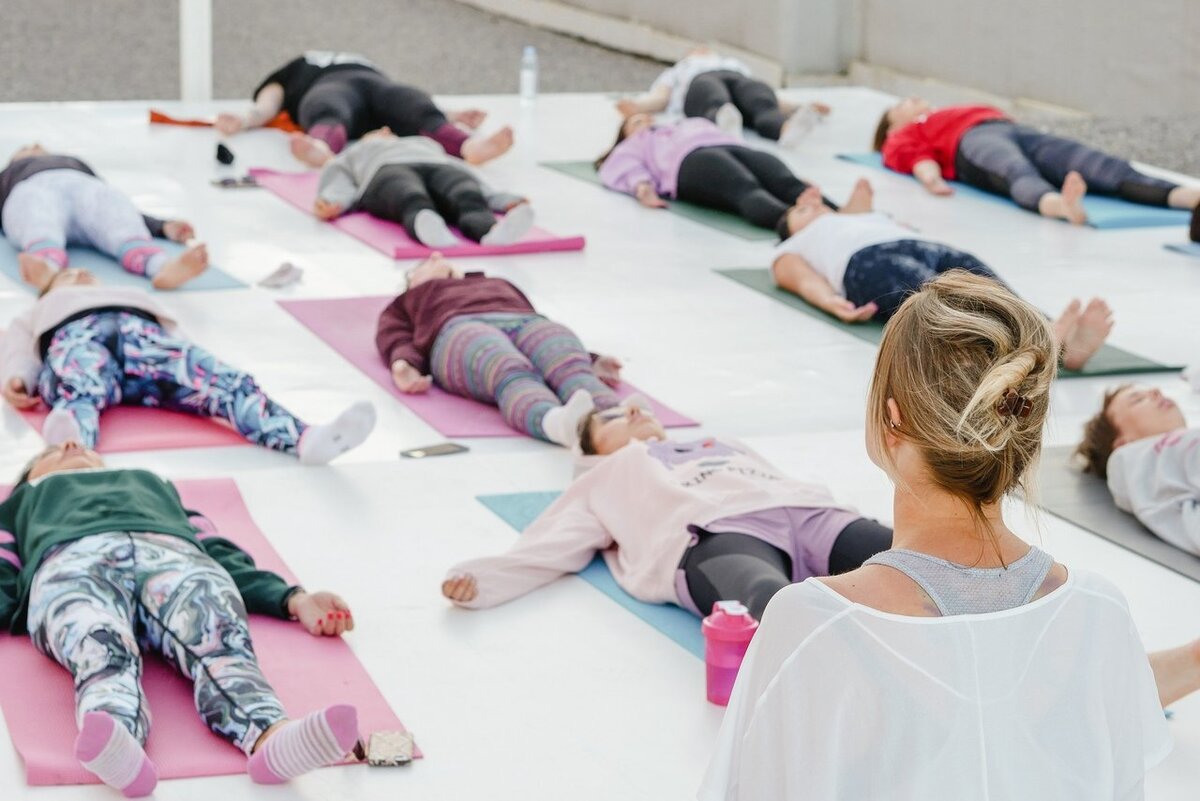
<point x="108" y="750"/>
<point x="299" y="746"/>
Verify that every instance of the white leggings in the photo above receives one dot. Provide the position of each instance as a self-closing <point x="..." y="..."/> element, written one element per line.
<point x="53" y="209"/>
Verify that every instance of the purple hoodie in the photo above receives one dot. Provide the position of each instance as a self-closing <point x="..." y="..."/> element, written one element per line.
<point x="655" y="154"/>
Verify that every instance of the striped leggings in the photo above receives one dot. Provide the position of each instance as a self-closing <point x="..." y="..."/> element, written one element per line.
<point x="522" y="363"/>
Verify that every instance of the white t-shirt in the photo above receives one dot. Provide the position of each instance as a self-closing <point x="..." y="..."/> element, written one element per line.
<point x="828" y="242"/>
<point x="1157" y="479"/>
<point x="1048" y="701"/>
<point x="679" y="77"/>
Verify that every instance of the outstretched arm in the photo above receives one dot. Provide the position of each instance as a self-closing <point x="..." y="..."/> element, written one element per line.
<point x="267" y="103"/>
<point x="929" y="173"/>
<point x="796" y="275"/>
<point x="650" y="102"/>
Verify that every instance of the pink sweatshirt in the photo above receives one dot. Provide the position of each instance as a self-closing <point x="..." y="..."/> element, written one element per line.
<point x="20" y="356"/>
<point x="635" y="506"/>
<point x="655" y="154"/>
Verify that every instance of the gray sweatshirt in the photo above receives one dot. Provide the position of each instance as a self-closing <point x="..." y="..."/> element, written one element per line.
<point x="346" y="177"/>
<point x="1157" y="479"/>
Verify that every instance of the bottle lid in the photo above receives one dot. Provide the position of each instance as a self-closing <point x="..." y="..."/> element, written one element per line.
<point x="730" y="620"/>
<point x="530" y="50"/>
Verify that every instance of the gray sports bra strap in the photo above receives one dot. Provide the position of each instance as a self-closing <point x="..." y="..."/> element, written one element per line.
<point x="960" y="590"/>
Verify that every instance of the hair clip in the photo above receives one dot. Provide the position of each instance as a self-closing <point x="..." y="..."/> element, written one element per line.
<point x="1014" y="404"/>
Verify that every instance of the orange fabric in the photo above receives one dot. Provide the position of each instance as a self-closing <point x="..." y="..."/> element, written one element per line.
<point x="281" y="121"/>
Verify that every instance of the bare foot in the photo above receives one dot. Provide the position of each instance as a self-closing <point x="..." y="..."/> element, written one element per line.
<point x="179" y="271"/>
<point x="608" y="369"/>
<point x="811" y="196"/>
<point x="1066" y="323"/>
<point x="1067" y="204"/>
<point x="1094" y="326"/>
<point x="1184" y="197"/>
<point x="461" y="589"/>
<point x="34" y="271"/>
<point x="309" y="150"/>
<point x="476" y="150"/>
<point x="468" y="118"/>
<point x="862" y="198"/>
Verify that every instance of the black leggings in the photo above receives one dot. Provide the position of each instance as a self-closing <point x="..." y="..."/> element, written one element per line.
<point x="399" y="191"/>
<point x="740" y="567"/>
<point x="753" y="184"/>
<point x="363" y="100"/>
<point x="709" y="91"/>
<point x="1025" y="164"/>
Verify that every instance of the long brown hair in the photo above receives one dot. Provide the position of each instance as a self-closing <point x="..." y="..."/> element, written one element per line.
<point x="949" y="357"/>
<point x="881" y="131"/>
<point x="621" y="136"/>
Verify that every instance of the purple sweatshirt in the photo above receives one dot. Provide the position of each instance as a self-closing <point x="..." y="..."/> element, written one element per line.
<point x="655" y="154"/>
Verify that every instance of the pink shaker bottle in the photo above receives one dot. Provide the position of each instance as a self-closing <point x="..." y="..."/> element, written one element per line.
<point x="727" y="634"/>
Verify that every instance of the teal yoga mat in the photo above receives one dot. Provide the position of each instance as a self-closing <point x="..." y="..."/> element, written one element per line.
<point x="519" y="509"/>
<point x="1105" y="213"/>
<point x="1108" y="361"/>
<point x="111" y="273"/>
<point x="722" y="221"/>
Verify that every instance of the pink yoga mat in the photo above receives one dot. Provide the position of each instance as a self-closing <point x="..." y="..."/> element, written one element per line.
<point x="348" y="326"/>
<point x="136" y="428"/>
<point x="308" y="673"/>
<point x="300" y="189"/>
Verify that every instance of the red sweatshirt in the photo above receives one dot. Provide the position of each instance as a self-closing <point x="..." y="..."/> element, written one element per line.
<point x="935" y="136"/>
<point x="410" y="324"/>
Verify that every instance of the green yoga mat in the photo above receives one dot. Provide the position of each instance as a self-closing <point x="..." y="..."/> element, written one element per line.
<point x="722" y="221"/>
<point x="1109" y="360"/>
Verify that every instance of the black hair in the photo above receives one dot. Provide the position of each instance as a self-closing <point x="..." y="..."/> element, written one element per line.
<point x="598" y="163"/>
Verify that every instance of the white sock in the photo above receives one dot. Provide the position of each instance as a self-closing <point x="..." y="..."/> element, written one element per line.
<point x="799" y="126"/>
<point x="729" y="119"/>
<point x="511" y="227"/>
<point x="1192" y="376"/>
<point x="320" y="444"/>
<point x="561" y="424"/>
<point x="61" y="426"/>
<point x="636" y="399"/>
<point x="432" y="230"/>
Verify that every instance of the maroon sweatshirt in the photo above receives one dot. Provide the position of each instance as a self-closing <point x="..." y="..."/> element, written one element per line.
<point x="411" y="322"/>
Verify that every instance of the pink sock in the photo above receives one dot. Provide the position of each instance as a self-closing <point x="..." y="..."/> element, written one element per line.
<point x="108" y="750"/>
<point x="332" y="135"/>
<point x="299" y="746"/>
<point x="53" y="255"/>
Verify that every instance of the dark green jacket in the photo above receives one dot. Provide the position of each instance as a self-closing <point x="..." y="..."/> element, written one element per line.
<point x="65" y="507"/>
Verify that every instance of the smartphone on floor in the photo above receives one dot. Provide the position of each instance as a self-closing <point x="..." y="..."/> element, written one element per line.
<point x="441" y="449"/>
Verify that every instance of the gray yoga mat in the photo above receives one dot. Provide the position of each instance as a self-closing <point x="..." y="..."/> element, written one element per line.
<point x="1084" y="499"/>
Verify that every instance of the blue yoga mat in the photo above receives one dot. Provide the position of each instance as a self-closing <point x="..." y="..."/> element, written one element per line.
<point x="111" y="273"/>
<point x="1106" y="213"/>
<point x="1186" y="248"/>
<point x="519" y="509"/>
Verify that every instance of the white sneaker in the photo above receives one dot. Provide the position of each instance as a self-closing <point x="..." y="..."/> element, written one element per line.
<point x="729" y="119"/>
<point x="511" y="227"/>
<point x="432" y="230"/>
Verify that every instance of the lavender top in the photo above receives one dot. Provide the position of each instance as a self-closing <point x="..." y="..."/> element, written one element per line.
<point x="655" y="154"/>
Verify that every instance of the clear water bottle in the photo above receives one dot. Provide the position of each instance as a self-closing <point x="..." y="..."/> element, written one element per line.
<point x="529" y="74"/>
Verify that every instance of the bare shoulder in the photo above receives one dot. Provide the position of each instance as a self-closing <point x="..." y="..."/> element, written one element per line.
<point x="1054" y="579"/>
<point x="884" y="589"/>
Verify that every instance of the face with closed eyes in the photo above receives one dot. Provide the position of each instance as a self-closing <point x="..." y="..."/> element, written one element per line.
<point x="1138" y="412"/>
<point x="613" y="429"/>
<point x="67" y="456"/>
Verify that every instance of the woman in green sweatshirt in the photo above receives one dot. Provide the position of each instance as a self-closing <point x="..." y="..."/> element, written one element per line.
<point x="98" y="564"/>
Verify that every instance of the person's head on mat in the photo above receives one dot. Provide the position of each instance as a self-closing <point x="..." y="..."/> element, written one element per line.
<point x="1129" y="413"/>
<point x="28" y="151"/>
<point x="69" y="455"/>
<point x="963" y="420"/>
<point x="908" y="110"/>
<point x="436" y="266"/>
<point x="608" y="430"/>
<point x="808" y="207"/>
<point x="72" y="276"/>
<point x="633" y="124"/>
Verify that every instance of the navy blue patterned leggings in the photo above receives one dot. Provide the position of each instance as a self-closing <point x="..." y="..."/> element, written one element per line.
<point x="888" y="273"/>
